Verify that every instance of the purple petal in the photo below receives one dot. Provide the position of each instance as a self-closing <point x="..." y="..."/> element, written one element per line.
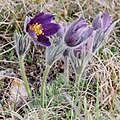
<point x="110" y="28"/>
<point x="85" y="35"/>
<point x="74" y="27"/>
<point x="105" y="20"/>
<point x="50" y="29"/>
<point x="37" y="17"/>
<point x="43" y="40"/>
<point x="72" y="39"/>
<point x="43" y="19"/>
<point x="96" y="24"/>
<point x="32" y="35"/>
<point x="80" y="23"/>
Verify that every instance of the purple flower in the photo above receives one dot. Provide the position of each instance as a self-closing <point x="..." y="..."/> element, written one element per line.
<point x="40" y="27"/>
<point x="101" y="21"/>
<point x="94" y="36"/>
<point x="77" y="33"/>
<point x="102" y="29"/>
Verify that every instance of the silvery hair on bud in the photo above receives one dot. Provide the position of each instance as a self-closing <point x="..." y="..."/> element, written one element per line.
<point x="22" y="43"/>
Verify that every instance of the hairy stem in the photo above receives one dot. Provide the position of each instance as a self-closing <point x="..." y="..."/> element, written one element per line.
<point x="21" y="62"/>
<point x="77" y="84"/>
<point x="45" y="75"/>
<point x="66" y="69"/>
<point x="78" y="78"/>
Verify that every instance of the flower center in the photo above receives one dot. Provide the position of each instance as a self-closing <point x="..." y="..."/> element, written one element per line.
<point x="37" y="28"/>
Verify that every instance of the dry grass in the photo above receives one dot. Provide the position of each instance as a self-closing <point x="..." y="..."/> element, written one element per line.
<point x="104" y="68"/>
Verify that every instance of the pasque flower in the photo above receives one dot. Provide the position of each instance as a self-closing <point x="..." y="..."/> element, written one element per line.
<point x="40" y="27"/>
<point x="22" y="43"/>
<point x="81" y="55"/>
<point x="77" y="33"/>
<point x="101" y="21"/>
<point x="102" y="28"/>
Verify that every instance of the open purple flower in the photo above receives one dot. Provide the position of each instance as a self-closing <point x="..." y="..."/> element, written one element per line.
<point x="77" y="33"/>
<point x="40" y="27"/>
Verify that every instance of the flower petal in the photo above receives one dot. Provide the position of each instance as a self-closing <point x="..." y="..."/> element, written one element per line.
<point x="80" y="23"/>
<point x="43" y="40"/>
<point x="71" y="40"/>
<point x="96" y="22"/>
<point x="43" y="18"/>
<point x="32" y="35"/>
<point x="37" y="17"/>
<point x="105" y="22"/>
<point x="75" y="30"/>
<point x="50" y="29"/>
<point x="77" y="25"/>
<point x="85" y="35"/>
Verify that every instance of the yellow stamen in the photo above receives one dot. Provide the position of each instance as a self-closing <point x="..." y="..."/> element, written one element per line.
<point x="37" y="28"/>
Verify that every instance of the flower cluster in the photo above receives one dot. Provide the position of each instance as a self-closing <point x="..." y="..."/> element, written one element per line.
<point x="79" y="33"/>
<point x="78" y="41"/>
<point x="75" y="36"/>
<point x="83" y="40"/>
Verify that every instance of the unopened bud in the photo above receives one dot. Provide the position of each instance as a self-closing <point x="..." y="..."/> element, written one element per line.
<point x="22" y="43"/>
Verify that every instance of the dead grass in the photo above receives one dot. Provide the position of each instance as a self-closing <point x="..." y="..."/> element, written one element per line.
<point x="105" y="67"/>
